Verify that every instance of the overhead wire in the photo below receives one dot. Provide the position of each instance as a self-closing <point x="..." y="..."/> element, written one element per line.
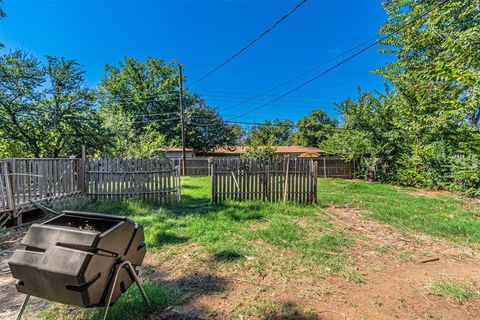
<point x="251" y="43"/>
<point x="281" y="84"/>
<point x="439" y="4"/>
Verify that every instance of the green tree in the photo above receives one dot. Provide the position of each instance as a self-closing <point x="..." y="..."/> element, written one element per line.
<point x="436" y="76"/>
<point x="238" y="134"/>
<point x="277" y="132"/>
<point x="206" y="130"/>
<point x="313" y="129"/>
<point x="47" y="111"/>
<point x="148" y="92"/>
<point x="424" y="131"/>
<point x="2" y="15"/>
<point x="69" y="118"/>
<point x="437" y="65"/>
<point x="20" y="78"/>
<point x="368" y="133"/>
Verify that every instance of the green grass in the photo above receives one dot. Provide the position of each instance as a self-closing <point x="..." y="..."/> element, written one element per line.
<point x="459" y="293"/>
<point x="293" y="240"/>
<point x="130" y="306"/>
<point x="227" y="233"/>
<point x="446" y="216"/>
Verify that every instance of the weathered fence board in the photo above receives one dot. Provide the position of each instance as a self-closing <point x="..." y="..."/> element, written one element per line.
<point x="41" y="179"/>
<point x="26" y="182"/>
<point x="155" y="180"/>
<point x="275" y="179"/>
<point x="195" y="166"/>
<point x="334" y="167"/>
<point x="328" y="167"/>
<point x="3" y="189"/>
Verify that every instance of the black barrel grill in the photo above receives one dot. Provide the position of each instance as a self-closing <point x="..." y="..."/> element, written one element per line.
<point x="73" y="258"/>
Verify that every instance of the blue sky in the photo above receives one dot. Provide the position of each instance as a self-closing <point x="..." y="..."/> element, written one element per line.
<point x="201" y="34"/>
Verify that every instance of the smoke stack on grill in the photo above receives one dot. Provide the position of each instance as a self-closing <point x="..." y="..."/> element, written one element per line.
<point x="71" y="259"/>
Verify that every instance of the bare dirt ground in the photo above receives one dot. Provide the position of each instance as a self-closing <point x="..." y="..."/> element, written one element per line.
<point x="389" y="279"/>
<point x="10" y="300"/>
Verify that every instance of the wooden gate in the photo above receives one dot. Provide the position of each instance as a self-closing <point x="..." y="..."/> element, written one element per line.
<point x="155" y="180"/>
<point x="275" y="179"/>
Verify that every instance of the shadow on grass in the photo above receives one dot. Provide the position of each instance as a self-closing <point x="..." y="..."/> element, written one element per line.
<point x="188" y="288"/>
<point x="165" y="238"/>
<point x="191" y="187"/>
<point x="288" y="311"/>
<point x="227" y="256"/>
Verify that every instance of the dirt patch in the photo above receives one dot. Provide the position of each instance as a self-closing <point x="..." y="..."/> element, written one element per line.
<point x="10" y="300"/>
<point x="386" y="280"/>
<point x="385" y="277"/>
<point x="443" y="193"/>
<point x="432" y="193"/>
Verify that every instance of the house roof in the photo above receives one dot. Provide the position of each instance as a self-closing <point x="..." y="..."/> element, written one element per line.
<point x="178" y="149"/>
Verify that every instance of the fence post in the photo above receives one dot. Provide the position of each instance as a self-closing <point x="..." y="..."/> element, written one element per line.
<point x="285" y="189"/>
<point x="315" y="180"/>
<point x="325" y="166"/>
<point x="9" y="170"/>
<point x="213" y="196"/>
<point x="266" y="188"/>
<point x="82" y="172"/>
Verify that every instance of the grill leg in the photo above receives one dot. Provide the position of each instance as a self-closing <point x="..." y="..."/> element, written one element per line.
<point x="22" y="308"/>
<point x="133" y="274"/>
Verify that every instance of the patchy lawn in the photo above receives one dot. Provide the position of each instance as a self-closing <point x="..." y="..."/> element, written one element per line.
<point x="366" y="251"/>
<point x="440" y="214"/>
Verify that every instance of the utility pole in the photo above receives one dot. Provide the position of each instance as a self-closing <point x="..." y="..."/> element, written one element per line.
<point x="182" y="117"/>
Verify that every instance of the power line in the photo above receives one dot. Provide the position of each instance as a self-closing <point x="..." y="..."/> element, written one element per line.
<point x="343" y="61"/>
<point x="263" y="93"/>
<point x="245" y="123"/>
<point x="251" y="43"/>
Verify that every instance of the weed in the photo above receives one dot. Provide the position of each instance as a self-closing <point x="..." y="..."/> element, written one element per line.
<point x="459" y="293"/>
<point x="406" y="256"/>
<point x="354" y="275"/>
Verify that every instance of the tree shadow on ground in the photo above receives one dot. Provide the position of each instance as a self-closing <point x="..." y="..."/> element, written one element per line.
<point x="226" y="256"/>
<point x="165" y="238"/>
<point x="288" y="311"/>
<point x="189" y="288"/>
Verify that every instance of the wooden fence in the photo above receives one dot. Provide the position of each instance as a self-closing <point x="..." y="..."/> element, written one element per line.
<point x="155" y="180"/>
<point x="276" y="179"/>
<point x="328" y="167"/>
<point x="26" y="182"/>
<point x="3" y="190"/>
<point x="195" y="166"/>
<point x="334" y="167"/>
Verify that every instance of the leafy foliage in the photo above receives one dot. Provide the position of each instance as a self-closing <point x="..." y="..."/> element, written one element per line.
<point x="206" y="129"/>
<point x="147" y="94"/>
<point x="277" y="132"/>
<point x="258" y="152"/>
<point x="313" y="129"/>
<point x="424" y="130"/>
<point x="46" y="111"/>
